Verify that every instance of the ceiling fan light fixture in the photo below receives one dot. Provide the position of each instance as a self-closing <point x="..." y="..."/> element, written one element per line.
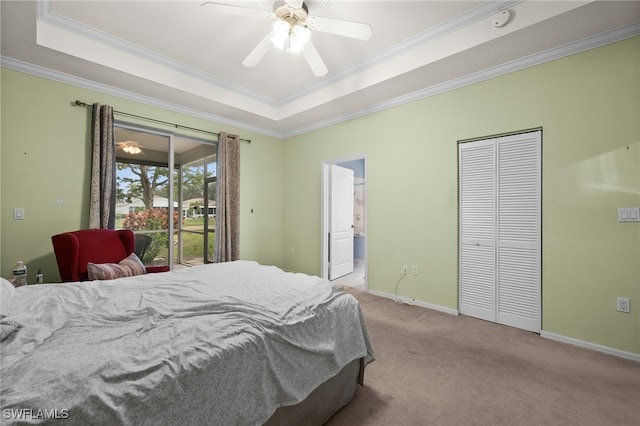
<point x="281" y="30"/>
<point x="299" y="37"/>
<point x="130" y="147"/>
<point x="291" y="38"/>
<point x="132" y="150"/>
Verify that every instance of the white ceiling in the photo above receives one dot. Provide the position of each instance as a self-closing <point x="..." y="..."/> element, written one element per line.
<point x="181" y="56"/>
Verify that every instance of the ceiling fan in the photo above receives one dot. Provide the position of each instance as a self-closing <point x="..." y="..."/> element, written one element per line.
<point x="292" y="30"/>
<point x="130" y="147"/>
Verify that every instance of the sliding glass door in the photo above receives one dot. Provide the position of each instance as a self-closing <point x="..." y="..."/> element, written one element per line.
<point x="166" y="194"/>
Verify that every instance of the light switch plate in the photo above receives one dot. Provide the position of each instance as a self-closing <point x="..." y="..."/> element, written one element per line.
<point x="18" y="213"/>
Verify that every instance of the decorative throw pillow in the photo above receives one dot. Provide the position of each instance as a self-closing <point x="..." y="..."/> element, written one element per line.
<point x="7" y="291"/>
<point x="127" y="267"/>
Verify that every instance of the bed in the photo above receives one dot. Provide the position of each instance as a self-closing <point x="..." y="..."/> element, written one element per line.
<point x="234" y="343"/>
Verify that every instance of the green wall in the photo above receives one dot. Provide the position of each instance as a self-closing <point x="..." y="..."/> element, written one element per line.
<point x="588" y="107"/>
<point x="587" y="104"/>
<point x="45" y="156"/>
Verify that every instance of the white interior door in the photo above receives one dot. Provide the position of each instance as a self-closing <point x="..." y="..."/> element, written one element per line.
<point x="340" y="222"/>
<point x="477" y="229"/>
<point x="519" y="231"/>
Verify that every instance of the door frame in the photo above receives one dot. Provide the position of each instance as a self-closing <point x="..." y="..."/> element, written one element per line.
<point x="325" y="213"/>
<point x="205" y="249"/>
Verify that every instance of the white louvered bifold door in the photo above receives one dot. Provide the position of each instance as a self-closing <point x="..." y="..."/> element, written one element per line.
<point x="477" y="229"/>
<point x="500" y="232"/>
<point x="518" y="225"/>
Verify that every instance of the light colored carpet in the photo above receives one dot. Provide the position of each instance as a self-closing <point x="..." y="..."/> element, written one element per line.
<point x="439" y="369"/>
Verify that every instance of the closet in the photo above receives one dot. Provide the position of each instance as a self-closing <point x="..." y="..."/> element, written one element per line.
<point x="500" y="229"/>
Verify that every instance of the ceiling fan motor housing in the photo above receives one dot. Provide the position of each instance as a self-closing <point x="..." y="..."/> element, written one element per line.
<point x="290" y="15"/>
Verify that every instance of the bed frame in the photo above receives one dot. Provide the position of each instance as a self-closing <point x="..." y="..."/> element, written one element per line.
<point x="324" y="401"/>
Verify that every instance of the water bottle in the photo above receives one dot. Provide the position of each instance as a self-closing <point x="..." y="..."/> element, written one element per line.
<point x="39" y="276"/>
<point x="20" y="274"/>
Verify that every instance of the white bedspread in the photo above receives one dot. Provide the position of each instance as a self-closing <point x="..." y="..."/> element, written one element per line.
<point x="219" y="344"/>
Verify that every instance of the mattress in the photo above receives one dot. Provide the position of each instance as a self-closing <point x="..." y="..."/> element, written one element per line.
<point x="224" y="344"/>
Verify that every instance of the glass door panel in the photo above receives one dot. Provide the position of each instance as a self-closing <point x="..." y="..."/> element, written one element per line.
<point x="143" y="204"/>
<point x="197" y="171"/>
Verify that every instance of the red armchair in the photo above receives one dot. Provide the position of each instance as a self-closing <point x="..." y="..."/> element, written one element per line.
<point x="75" y="249"/>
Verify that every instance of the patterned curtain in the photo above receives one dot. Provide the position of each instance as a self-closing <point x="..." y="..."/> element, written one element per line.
<point x="227" y="200"/>
<point x="102" y="210"/>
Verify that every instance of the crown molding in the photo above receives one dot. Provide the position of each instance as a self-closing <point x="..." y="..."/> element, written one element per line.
<point x="72" y="80"/>
<point x="568" y="49"/>
<point x="45" y="14"/>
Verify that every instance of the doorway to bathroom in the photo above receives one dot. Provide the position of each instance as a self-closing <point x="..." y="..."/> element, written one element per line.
<point x="344" y="221"/>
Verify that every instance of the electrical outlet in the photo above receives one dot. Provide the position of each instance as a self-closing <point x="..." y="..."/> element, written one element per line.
<point x="414" y="270"/>
<point x="405" y="269"/>
<point x="622" y="304"/>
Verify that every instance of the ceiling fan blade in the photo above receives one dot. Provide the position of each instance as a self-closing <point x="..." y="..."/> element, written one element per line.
<point x="227" y="9"/>
<point x="314" y="60"/>
<point x="340" y="27"/>
<point x="258" y="52"/>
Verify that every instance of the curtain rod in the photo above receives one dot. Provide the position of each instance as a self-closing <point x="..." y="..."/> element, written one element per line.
<point x="177" y="126"/>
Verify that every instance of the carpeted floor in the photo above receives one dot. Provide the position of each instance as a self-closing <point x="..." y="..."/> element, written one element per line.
<point x="433" y="368"/>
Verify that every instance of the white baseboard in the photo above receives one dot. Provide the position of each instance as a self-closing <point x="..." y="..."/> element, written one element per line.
<point x="553" y="336"/>
<point x="589" y="345"/>
<point x="415" y="302"/>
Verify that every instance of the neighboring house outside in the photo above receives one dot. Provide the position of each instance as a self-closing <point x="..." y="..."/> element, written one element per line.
<point x="136" y="204"/>
<point x="193" y="207"/>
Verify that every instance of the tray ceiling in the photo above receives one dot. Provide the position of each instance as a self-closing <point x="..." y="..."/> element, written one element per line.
<point x="181" y="56"/>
